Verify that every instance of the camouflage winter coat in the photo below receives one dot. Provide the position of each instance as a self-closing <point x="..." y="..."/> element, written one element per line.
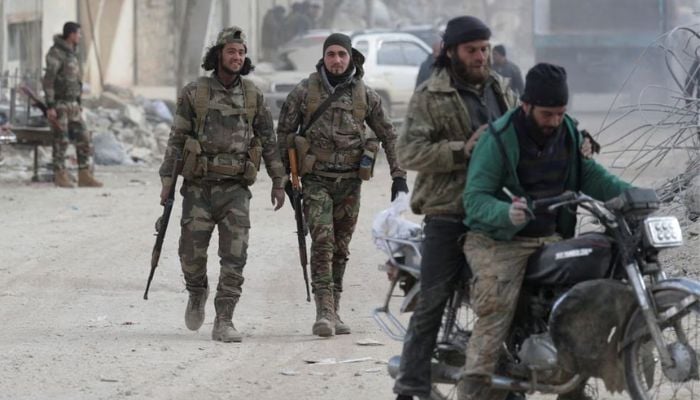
<point x="62" y="80"/>
<point x="432" y="142"/>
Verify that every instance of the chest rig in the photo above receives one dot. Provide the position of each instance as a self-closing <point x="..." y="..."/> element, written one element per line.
<point x="197" y="164"/>
<point x="308" y="154"/>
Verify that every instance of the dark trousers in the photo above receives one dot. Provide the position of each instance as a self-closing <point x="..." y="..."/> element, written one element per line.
<point x="443" y="266"/>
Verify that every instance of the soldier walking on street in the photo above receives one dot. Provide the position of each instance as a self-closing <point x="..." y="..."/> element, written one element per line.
<point x="62" y="88"/>
<point x="222" y="129"/>
<point x="324" y="119"/>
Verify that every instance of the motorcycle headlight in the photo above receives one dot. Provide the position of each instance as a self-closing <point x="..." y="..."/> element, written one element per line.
<point x="662" y="232"/>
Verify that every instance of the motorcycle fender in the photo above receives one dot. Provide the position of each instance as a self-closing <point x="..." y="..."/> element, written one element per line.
<point x="683" y="284"/>
<point x="587" y="323"/>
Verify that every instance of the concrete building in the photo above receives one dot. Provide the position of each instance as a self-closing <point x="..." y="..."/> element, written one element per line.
<point x="126" y="42"/>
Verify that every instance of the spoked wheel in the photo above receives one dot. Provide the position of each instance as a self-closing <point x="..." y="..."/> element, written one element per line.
<point x="646" y="378"/>
<point x="461" y="321"/>
<point x="443" y="392"/>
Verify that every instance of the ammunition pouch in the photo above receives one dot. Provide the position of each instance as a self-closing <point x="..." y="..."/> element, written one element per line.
<point x="192" y="165"/>
<point x="250" y="172"/>
<point x="252" y="164"/>
<point x="369" y="157"/>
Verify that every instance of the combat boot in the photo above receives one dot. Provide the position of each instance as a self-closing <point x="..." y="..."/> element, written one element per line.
<point x="86" y="179"/>
<point x="224" y="331"/>
<point x="577" y="394"/>
<point x="325" y="316"/>
<point x="341" y="328"/>
<point x="194" y="313"/>
<point x="62" y="179"/>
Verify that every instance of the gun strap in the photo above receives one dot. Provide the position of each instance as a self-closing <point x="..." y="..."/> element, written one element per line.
<point x="251" y="101"/>
<point x="201" y="104"/>
<point x="321" y="109"/>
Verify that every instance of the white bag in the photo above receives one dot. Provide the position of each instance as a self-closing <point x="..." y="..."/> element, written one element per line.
<point x="389" y="223"/>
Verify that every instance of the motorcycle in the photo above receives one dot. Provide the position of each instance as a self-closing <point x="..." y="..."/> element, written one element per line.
<point x="599" y="305"/>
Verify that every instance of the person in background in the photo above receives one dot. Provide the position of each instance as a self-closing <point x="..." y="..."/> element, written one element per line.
<point x="507" y="69"/>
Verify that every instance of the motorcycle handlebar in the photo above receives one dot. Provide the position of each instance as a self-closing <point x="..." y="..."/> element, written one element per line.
<point x="615" y="204"/>
<point x="548" y="201"/>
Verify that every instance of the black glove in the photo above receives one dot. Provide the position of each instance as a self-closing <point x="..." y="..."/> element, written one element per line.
<point x="399" y="185"/>
<point x="595" y="146"/>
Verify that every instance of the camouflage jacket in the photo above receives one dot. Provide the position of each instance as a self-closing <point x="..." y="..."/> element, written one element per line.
<point x="62" y="80"/>
<point x="337" y="130"/>
<point x="432" y="142"/>
<point x="226" y="129"/>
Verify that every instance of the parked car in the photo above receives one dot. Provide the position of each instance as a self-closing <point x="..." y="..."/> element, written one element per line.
<point x="392" y="60"/>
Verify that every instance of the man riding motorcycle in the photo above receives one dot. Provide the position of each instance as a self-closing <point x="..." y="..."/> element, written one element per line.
<point x="528" y="154"/>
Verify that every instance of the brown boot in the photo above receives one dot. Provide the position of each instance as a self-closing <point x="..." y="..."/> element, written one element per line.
<point x="62" y="179"/>
<point x="224" y="331"/>
<point x="325" y="316"/>
<point x="194" y="313"/>
<point x="86" y="179"/>
<point x="341" y="328"/>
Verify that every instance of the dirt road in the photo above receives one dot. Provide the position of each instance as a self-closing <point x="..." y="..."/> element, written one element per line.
<point x="73" y="269"/>
<point x="72" y="274"/>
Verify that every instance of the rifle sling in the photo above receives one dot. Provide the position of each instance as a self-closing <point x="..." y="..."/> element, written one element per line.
<point x="321" y="109"/>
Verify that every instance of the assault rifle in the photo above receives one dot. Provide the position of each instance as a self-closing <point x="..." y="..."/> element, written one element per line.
<point x="162" y="225"/>
<point x="36" y="102"/>
<point x="299" y="216"/>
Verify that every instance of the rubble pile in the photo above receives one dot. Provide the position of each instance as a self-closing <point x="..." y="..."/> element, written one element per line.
<point x="684" y="189"/>
<point x="127" y="129"/>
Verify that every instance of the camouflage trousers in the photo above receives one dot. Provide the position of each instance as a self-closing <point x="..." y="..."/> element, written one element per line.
<point x="331" y="208"/>
<point x="498" y="269"/>
<point x="72" y="130"/>
<point x="205" y="205"/>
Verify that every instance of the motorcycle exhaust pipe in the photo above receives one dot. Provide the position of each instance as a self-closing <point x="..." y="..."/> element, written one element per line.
<point x="504" y="383"/>
<point x="440" y="373"/>
<point x="393" y="366"/>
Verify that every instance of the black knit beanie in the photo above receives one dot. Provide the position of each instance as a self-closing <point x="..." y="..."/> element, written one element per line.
<point x="465" y="29"/>
<point x="339" y="39"/>
<point x="545" y="85"/>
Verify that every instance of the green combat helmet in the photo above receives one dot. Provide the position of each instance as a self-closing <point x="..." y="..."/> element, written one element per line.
<point x="233" y="34"/>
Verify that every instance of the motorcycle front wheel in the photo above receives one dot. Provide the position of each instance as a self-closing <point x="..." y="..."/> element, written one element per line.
<point x="645" y="376"/>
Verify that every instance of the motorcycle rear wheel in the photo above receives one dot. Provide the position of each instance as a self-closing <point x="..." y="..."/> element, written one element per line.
<point x="461" y="324"/>
<point x="645" y="376"/>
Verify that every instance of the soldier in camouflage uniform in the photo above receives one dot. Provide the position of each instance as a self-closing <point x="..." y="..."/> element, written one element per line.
<point x="62" y="87"/>
<point x="222" y="129"/>
<point x="445" y="118"/>
<point x="329" y="150"/>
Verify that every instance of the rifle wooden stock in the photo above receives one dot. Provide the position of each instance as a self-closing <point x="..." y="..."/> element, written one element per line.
<point x="299" y="217"/>
<point x="162" y="225"/>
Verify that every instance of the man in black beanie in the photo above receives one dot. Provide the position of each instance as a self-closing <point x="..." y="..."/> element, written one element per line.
<point x="445" y="118"/>
<point x="323" y="121"/>
<point x="533" y="152"/>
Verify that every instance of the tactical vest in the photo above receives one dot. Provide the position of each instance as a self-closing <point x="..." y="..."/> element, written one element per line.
<point x="201" y="102"/>
<point x="308" y="154"/>
<point x="197" y="164"/>
<point x="359" y="99"/>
